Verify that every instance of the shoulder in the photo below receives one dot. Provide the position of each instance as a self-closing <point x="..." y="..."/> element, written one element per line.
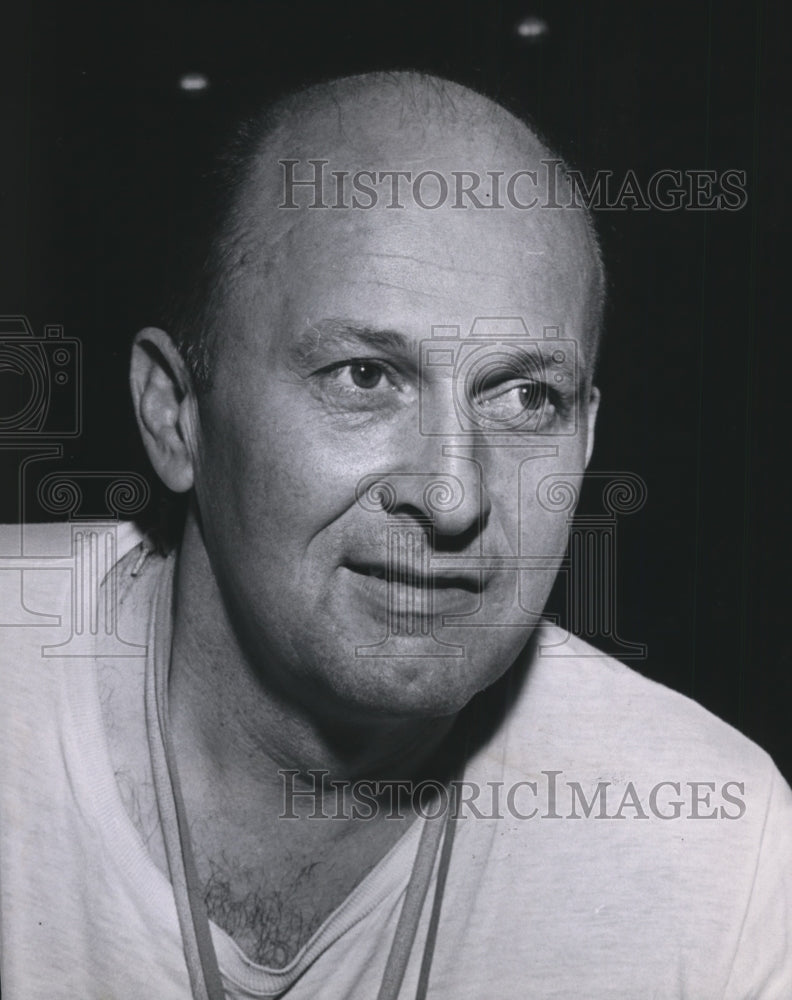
<point x="50" y="575"/>
<point x="587" y="737"/>
<point x="620" y="810"/>
<point x="51" y="540"/>
<point x="581" y="705"/>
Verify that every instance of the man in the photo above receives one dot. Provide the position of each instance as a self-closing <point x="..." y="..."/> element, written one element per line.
<point x="352" y="762"/>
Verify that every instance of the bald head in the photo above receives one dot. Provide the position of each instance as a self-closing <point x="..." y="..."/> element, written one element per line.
<point x="379" y="320"/>
<point x="393" y="152"/>
<point x="420" y="112"/>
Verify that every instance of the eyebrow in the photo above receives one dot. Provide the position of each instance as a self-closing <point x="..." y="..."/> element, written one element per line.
<point x="348" y="334"/>
<point x="545" y="349"/>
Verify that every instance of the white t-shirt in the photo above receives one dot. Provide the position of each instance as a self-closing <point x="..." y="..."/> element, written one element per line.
<point x="573" y="872"/>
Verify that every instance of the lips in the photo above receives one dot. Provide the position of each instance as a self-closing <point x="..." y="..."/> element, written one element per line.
<point x="406" y="576"/>
<point x="408" y="595"/>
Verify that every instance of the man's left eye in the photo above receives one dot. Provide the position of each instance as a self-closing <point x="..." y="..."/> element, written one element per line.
<point x="513" y="400"/>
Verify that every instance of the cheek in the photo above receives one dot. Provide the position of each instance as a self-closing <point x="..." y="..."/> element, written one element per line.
<point x="536" y="501"/>
<point x="275" y="478"/>
<point x="258" y="483"/>
<point x="534" y="486"/>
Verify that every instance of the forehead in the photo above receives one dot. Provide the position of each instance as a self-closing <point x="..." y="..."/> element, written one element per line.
<point x="409" y="267"/>
<point x="409" y="273"/>
<point x="449" y="264"/>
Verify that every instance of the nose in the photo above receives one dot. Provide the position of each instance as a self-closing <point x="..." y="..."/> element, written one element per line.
<point x="441" y="487"/>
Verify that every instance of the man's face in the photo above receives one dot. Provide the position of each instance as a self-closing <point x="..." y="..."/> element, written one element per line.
<point x="360" y="589"/>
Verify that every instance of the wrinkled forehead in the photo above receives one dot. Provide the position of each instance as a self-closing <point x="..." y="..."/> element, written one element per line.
<point x="445" y="264"/>
<point x="399" y="210"/>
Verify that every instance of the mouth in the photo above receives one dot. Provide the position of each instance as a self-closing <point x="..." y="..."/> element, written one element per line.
<point x="407" y="576"/>
<point x="410" y="594"/>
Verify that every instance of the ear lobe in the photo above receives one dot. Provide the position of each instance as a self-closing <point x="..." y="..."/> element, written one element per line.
<point x="593" y="406"/>
<point x="164" y="406"/>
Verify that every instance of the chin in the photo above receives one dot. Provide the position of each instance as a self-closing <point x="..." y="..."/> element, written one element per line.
<point x="417" y="685"/>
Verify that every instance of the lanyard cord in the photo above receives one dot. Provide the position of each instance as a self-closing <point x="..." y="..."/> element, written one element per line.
<point x="205" y="981"/>
<point x="434" y="829"/>
<point x="204" y="973"/>
<point x="434" y="919"/>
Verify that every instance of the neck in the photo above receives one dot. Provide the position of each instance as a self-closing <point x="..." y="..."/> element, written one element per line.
<point x="238" y="726"/>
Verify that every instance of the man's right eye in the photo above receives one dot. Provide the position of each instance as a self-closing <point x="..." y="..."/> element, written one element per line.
<point x="362" y="384"/>
<point x="359" y="376"/>
<point x="365" y="375"/>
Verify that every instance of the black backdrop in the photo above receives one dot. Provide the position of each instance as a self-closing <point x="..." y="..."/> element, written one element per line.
<point x="98" y="141"/>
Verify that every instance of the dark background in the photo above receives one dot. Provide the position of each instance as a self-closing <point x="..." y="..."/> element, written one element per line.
<point x="98" y="142"/>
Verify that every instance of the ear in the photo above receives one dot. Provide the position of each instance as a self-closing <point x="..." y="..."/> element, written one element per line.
<point x="593" y="407"/>
<point x="164" y="403"/>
